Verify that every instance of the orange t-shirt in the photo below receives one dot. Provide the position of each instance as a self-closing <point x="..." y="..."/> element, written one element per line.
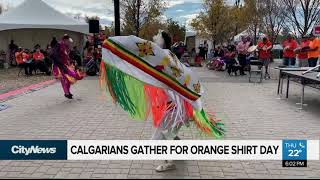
<point x="19" y="57"/>
<point x="264" y="54"/>
<point x="314" y="44"/>
<point x="303" y="54"/>
<point x="289" y="53"/>
<point x="38" y="56"/>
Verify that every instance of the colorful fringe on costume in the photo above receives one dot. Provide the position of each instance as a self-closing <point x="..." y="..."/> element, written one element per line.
<point x="145" y="79"/>
<point x="140" y="100"/>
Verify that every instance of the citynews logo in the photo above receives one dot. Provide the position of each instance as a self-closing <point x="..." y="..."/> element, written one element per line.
<point x="32" y="150"/>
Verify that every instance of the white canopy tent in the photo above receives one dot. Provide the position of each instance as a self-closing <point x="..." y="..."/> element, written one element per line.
<point x="247" y="32"/>
<point x="193" y="40"/>
<point x="35" y="22"/>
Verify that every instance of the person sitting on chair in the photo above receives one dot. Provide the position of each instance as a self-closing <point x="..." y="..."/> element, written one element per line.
<point x="29" y="60"/>
<point x="21" y="59"/>
<point x="38" y="58"/>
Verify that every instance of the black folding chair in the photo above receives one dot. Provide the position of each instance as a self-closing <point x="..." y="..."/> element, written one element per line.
<point x="258" y="66"/>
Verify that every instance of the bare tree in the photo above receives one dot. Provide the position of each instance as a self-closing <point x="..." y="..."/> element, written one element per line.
<point x="274" y="18"/>
<point x="255" y="15"/>
<point x="301" y="14"/>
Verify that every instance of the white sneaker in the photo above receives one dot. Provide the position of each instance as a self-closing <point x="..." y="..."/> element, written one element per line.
<point x="167" y="166"/>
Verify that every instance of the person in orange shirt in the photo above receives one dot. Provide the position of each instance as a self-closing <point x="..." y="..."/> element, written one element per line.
<point x="22" y="59"/>
<point x="264" y="48"/>
<point x="313" y="51"/>
<point x="38" y="58"/>
<point x="289" y="56"/>
<point x="19" y="56"/>
<point x="302" y="53"/>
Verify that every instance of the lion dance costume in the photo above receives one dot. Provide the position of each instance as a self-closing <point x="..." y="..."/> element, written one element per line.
<point x="146" y="80"/>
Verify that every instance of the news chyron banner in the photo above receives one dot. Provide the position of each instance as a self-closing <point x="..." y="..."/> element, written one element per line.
<point x="292" y="153"/>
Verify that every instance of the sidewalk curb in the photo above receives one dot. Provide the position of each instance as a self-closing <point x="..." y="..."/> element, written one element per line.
<point x="25" y="90"/>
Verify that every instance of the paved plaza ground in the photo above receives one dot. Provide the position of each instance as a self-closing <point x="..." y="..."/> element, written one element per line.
<point x="249" y="111"/>
<point x="9" y="79"/>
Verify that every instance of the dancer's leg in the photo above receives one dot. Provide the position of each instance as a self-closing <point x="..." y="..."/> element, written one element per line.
<point x="164" y="134"/>
<point x="65" y="85"/>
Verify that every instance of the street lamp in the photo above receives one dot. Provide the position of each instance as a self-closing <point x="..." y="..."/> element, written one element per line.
<point x="117" y="17"/>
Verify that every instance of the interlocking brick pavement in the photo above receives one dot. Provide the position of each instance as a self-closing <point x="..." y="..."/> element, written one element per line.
<point x="250" y="111"/>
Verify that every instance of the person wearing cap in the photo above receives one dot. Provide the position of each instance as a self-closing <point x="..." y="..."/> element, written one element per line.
<point x="313" y="51"/>
<point x="302" y="53"/>
<point x="289" y="56"/>
<point x="62" y="67"/>
<point x="264" y="48"/>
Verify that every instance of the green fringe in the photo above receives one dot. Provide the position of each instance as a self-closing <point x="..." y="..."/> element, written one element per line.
<point x="212" y="129"/>
<point x="136" y="93"/>
<point x="128" y="91"/>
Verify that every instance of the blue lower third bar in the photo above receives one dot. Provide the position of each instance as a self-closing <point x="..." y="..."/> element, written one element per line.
<point x="33" y="150"/>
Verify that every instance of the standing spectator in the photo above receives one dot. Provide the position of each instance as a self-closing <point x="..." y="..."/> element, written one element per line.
<point x="313" y="51"/>
<point x="202" y="51"/>
<point x="46" y="54"/>
<point x="76" y="55"/>
<point x="220" y="52"/>
<point x="232" y="65"/>
<point x="302" y="53"/>
<point x="12" y="50"/>
<point x="181" y="49"/>
<point x="289" y="56"/>
<point x="264" y="48"/>
<point x="212" y="54"/>
<point x="193" y="52"/>
<point x="53" y="42"/>
<point x="206" y="49"/>
<point x="242" y="49"/>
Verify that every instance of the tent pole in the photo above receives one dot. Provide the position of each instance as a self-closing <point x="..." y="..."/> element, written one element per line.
<point x="117" y="17"/>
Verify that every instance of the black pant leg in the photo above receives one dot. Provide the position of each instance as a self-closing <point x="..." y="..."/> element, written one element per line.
<point x="229" y="68"/>
<point x="31" y="67"/>
<point x="242" y="63"/>
<point x="26" y="72"/>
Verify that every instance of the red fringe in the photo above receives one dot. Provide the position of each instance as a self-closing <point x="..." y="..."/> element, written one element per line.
<point x="158" y="101"/>
<point x="189" y="109"/>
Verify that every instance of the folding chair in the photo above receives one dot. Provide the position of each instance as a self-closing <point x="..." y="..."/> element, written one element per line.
<point x="257" y="71"/>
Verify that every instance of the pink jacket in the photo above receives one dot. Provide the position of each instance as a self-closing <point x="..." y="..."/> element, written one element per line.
<point x="242" y="47"/>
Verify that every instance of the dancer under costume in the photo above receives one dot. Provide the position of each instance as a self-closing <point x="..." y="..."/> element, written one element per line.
<point x="62" y="67"/>
<point x="146" y="78"/>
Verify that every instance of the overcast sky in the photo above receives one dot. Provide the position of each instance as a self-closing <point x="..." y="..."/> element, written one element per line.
<point x="180" y="10"/>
